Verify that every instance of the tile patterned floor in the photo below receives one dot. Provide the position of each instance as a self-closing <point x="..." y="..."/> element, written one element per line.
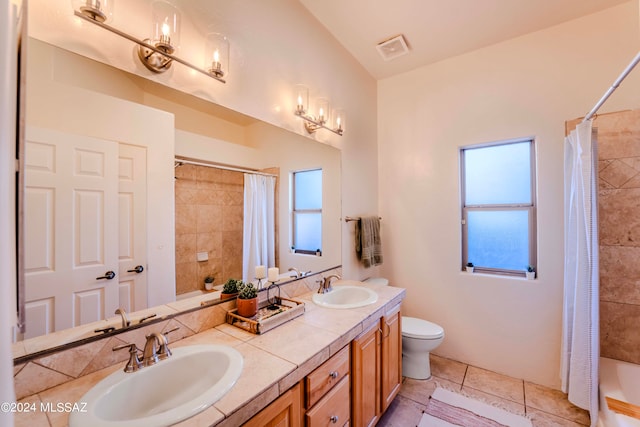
<point x="546" y="407"/>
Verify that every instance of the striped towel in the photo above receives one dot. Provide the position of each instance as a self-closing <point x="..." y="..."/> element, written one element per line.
<point x="368" y="242"/>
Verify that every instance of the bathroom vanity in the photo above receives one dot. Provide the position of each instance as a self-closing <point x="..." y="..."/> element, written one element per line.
<point x="370" y="366"/>
<point x="328" y="364"/>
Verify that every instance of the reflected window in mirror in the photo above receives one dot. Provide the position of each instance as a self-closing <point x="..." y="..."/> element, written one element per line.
<point x="307" y="212"/>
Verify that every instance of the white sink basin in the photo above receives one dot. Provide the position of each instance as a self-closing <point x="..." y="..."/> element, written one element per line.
<point x="174" y="389"/>
<point x="346" y="294"/>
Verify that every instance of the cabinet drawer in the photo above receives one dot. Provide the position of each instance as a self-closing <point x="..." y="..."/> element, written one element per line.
<point x="333" y="409"/>
<point x="326" y="376"/>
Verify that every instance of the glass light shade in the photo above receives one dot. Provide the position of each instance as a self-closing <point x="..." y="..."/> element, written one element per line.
<point x="322" y="110"/>
<point x="99" y="10"/>
<point x="339" y="119"/>
<point x="301" y="98"/>
<point x="217" y="54"/>
<point x="166" y="25"/>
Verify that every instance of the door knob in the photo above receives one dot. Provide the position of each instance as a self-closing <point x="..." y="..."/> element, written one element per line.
<point x="108" y="275"/>
<point x="137" y="269"/>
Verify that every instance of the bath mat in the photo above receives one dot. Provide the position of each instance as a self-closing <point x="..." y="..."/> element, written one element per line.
<point x="446" y="409"/>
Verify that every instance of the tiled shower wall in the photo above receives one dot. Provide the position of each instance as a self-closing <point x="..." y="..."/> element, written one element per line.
<point x="209" y="218"/>
<point x="619" y="228"/>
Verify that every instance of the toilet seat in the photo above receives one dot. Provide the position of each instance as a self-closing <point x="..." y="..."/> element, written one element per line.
<point x="420" y="329"/>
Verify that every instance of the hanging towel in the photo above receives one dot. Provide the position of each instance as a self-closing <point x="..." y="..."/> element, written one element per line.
<point x="368" y="243"/>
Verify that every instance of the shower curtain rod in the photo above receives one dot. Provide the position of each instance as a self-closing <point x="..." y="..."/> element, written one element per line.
<point x="184" y="160"/>
<point x="613" y="87"/>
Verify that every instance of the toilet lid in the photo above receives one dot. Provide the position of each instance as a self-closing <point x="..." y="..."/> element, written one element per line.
<point x="421" y="329"/>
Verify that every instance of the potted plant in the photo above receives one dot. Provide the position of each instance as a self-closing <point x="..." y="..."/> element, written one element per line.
<point x="230" y="289"/>
<point x="469" y="267"/>
<point x="531" y="272"/>
<point x="247" y="301"/>
<point x="208" y="282"/>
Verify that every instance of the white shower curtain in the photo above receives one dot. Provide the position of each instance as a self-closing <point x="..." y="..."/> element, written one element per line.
<point x="259" y="224"/>
<point x="580" y="336"/>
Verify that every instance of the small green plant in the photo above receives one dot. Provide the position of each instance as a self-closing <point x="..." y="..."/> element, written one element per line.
<point x="209" y="279"/>
<point x="231" y="286"/>
<point x="246" y="290"/>
<point x="469" y="264"/>
<point x="531" y="268"/>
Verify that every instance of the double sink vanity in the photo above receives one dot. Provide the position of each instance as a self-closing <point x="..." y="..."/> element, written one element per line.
<point x="338" y="363"/>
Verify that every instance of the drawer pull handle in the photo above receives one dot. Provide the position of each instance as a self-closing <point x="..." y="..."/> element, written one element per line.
<point x="334" y="419"/>
<point x="334" y="374"/>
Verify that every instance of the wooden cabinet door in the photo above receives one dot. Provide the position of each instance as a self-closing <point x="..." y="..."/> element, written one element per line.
<point x="285" y="411"/>
<point x="365" y="373"/>
<point x="391" y="369"/>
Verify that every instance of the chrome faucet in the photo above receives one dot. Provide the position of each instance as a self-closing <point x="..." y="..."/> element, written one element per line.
<point x="151" y="316"/>
<point x="134" y="364"/>
<point x="297" y="273"/>
<point x="156" y="348"/>
<point x="123" y="314"/>
<point x="325" y="283"/>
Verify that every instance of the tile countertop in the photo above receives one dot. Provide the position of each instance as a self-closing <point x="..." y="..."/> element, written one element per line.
<point x="273" y="361"/>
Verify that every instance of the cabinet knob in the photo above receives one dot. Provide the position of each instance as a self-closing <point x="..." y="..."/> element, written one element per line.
<point x="334" y="419"/>
<point x="334" y="374"/>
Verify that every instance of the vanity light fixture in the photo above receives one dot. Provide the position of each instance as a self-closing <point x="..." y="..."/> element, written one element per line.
<point x="165" y="37"/>
<point x="323" y="117"/>
<point x="217" y="53"/>
<point x="157" y="52"/>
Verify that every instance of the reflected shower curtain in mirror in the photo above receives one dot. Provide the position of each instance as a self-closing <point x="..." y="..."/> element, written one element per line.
<point x="259" y="224"/>
<point x="580" y="335"/>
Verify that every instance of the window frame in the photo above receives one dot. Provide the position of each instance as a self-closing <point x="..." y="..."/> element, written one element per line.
<point x="294" y="211"/>
<point x="531" y="208"/>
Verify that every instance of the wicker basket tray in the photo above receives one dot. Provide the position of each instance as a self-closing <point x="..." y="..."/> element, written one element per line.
<point x="269" y="315"/>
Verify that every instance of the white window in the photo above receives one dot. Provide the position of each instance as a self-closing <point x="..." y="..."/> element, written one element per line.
<point x="307" y="211"/>
<point x="499" y="207"/>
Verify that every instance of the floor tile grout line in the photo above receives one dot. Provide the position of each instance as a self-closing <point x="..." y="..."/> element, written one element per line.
<point x="464" y="377"/>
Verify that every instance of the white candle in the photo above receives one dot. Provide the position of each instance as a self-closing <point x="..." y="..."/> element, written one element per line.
<point x="260" y="272"/>
<point x="274" y="274"/>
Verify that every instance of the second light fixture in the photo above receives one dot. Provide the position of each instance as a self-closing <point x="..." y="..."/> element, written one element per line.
<point x="322" y="117"/>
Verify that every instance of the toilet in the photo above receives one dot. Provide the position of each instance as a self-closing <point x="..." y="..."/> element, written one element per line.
<point x="419" y="338"/>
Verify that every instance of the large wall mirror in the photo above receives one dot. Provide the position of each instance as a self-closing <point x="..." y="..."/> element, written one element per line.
<point x="134" y="194"/>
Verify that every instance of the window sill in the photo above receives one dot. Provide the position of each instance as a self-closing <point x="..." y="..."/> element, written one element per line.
<point x="498" y="275"/>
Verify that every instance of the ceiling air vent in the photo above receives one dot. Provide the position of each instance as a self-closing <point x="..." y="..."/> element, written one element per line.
<point x="393" y="48"/>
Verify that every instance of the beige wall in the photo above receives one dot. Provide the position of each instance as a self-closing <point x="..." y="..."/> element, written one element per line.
<point x="527" y="86"/>
<point x="275" y="44"/>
